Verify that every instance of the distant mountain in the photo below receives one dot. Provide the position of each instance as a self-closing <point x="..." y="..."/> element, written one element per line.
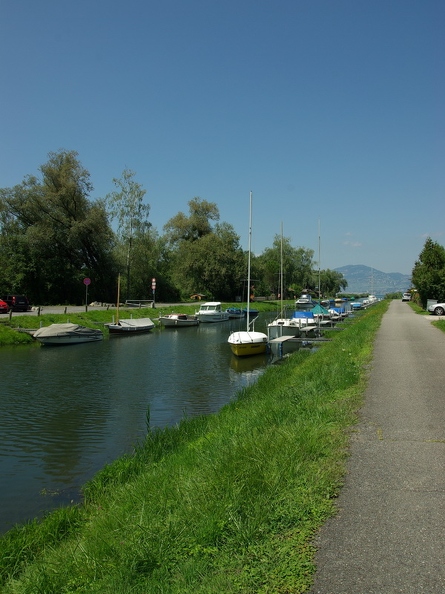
<point x="363" y="279"/>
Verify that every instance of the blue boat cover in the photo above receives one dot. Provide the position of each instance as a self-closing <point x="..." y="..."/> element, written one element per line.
<point x="303" y="315"/>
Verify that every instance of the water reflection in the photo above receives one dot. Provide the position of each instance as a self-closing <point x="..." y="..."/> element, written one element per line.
<point x="67" y="411"/>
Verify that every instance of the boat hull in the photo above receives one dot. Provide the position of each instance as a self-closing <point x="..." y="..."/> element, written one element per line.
<point x="178" y="320"/>
<point x="136" y="326"/>
<point x="211" y="318"/>
<point x="212" y="312"/>
<point x="65" y="334"/>
<point x="244" y="344"/>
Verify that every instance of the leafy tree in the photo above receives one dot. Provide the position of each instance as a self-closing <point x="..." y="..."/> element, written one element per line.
<point x="196" y="225"/>
<point x="428" y="275"/>
<point x="297" y="265"/>
<point x="204" y="259"/>
<point x="331" y="282"/>
<point x="126" y="206"/>
<point x="55" y="235"/>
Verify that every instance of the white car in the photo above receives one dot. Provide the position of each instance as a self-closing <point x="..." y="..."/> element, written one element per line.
<point x="437" y="309"/>
<point x="406" y="297"/>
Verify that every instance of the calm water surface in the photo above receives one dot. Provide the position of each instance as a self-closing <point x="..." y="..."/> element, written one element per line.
<point x="67" y="411"/>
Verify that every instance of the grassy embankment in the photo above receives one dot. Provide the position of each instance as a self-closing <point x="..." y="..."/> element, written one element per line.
<point x="96" y="318"/>
<point x="225" y="503"/>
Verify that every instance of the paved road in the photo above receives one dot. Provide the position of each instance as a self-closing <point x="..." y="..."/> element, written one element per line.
<point x="389" y="534"/>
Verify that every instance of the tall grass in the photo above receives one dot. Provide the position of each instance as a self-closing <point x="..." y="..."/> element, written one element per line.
<point x="225" y="503"/>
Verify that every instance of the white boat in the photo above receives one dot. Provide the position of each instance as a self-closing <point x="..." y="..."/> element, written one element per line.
<point x="128" y="326"/>
<point x="304" y="302"/>
<point x="131" y="326"/>
<point x="62" y="334"/>
<point x="211" y="311"/>
<point x="284" y="327"/>
<point x="178" y="320"/>
<point x="248" y="342"/>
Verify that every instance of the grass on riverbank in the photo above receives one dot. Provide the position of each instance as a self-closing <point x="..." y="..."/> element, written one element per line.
<point x="226" y="503"/>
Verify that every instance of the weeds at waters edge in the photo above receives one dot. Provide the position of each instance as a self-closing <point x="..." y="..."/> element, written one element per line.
<point x="225" y="503"/>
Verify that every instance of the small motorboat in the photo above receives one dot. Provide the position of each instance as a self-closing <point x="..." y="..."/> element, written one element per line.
<point x="175" y="320"/>
<point x="63" y="334"/>
<point x="212" y="312"/>
<point x="131" y="326"/>
<point x="235" y="313"/>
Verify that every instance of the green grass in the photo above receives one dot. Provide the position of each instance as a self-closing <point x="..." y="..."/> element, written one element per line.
<point x="225" y="503"/>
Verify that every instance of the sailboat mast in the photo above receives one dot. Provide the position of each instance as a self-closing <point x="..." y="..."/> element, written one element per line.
<point x="248" y="261"/>
<point x="319" y="270"/>
<point x="118" y="297"/>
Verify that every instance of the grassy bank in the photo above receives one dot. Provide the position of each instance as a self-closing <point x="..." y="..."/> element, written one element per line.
<point x="226" y="503"/>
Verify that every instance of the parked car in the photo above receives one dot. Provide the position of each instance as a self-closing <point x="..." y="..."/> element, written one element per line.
<point x="406" y="297"/>
<point x="4" y="307"/>
<point x="17" y="302"/>
<point x="437" y="309"/>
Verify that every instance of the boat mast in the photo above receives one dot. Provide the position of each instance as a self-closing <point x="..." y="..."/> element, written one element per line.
<point x="118" y="297"/>
<point x="319" y="271"/>
<point x="281" y="272"/>
<point x="248" y="262"/>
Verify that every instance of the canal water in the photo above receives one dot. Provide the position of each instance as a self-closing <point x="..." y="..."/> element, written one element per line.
<point x="67" y="411"/>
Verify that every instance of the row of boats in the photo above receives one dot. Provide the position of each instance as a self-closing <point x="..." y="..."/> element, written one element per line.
<point x="307" y="321"/>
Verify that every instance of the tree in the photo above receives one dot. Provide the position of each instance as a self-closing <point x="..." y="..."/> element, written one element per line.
<point x="126" y="206"/>
<point x="204" y="259"/>
<point x="54" y="235"/>
<point x="297" y="265"/>
<point x="428" y="275"/>
<point x="331" y="282"/>
<point x="196" y="225"/>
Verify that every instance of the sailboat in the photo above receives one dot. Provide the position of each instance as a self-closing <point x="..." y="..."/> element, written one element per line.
<point x="248" y="342"/>
<point x="128" y="326"/>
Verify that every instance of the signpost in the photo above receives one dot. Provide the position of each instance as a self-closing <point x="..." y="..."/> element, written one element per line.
<point x="153" y="288"/>
<point x="86" y="282"/>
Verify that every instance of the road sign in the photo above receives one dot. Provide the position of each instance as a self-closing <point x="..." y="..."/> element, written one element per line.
<point x="87" y="281"/>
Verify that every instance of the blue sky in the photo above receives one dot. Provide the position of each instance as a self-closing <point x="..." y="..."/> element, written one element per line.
<point x="330" y="111"/>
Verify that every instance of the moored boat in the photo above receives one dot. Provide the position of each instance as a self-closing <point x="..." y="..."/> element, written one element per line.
<point x="235" y="313"/>
<point x="248" y="342"/>
<point x="211" y="311"/>
<point x="178" y="320"/>
<point x="63" y="334"/>
<point x="131" y="326"/>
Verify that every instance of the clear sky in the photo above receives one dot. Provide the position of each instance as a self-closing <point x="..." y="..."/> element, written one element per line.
<point x="330" y="111"/>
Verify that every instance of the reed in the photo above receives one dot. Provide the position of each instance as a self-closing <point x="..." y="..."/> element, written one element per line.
<point x="224" y="503"/>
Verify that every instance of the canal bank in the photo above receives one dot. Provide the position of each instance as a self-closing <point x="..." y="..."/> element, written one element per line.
<point x="227" y="502"/>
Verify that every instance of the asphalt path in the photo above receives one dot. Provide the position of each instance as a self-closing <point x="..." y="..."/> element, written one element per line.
<point x="60" y="309"/>
<point x="389" y="533"/>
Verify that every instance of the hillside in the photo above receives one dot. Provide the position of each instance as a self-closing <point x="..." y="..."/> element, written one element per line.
<point x="364" y="279"/>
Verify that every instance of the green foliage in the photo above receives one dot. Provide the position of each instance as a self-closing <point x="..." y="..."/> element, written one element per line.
<point x="296" y="263"/>
<point x="205" y="259"/>
<point x="126" y="206"/>
<point x="331" y="282"/>
<point x="54" y="235"/>
<point x="428" y="275"/>
<point x="225" y="503"/>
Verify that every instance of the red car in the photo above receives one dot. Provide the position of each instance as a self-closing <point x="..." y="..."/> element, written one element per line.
<point x="4" y="308"/>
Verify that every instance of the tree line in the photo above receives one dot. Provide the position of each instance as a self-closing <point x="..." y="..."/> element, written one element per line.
<point x="53" y="236"/>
